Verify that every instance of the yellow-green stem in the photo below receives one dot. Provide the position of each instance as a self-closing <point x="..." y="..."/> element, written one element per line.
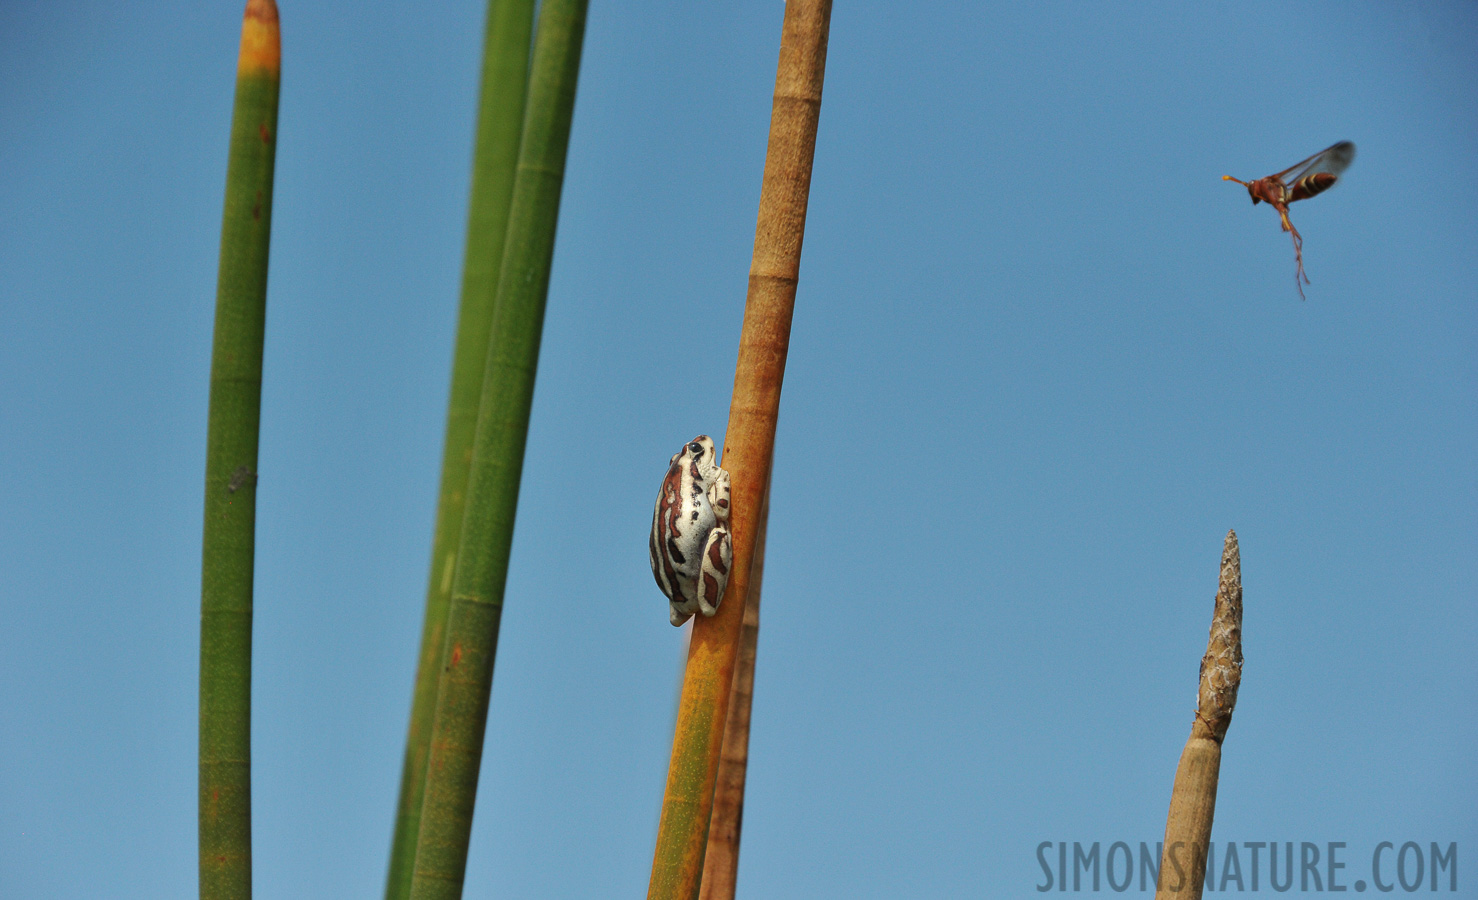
<point x="497" y="458"/>
<point x="229" y="534"/>
<point x="499" y="123"/>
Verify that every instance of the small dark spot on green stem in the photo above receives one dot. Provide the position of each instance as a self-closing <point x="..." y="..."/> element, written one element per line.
<point x="242" y="477"/>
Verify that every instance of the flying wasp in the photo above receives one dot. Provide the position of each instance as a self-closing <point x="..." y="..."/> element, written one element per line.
<point x="1300" y="181"/>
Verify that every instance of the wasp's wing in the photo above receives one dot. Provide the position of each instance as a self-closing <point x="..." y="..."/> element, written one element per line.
<point x="1332" y="160"/>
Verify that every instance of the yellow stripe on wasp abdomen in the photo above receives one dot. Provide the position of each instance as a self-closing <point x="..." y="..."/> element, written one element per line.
<point x="1311" y="185"/>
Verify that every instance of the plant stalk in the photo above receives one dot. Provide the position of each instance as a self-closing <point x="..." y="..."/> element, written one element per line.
<point x="682" y="836"/>
<point x="458" y="729"/>
<point x="229" y="533"/>
<point x="1193" y="798"/>
<point x="505" y="63"/>
<point x="721" y="860"/>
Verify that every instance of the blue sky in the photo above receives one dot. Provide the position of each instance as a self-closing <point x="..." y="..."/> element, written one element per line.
<point x="1042" y="359"/>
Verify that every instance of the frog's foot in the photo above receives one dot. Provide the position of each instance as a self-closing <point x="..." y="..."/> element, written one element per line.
<point x="718" y="557"/>
<point x="719" y="496"/>
<point x="676" y="616"/>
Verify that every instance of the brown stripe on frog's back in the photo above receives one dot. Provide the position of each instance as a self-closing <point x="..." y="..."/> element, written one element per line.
<point x="671" y="498"/>
<point x="652" y="553"/>
<point x="658" y="567"/>
<point x="664" y="528"/>
<point x="667" y="578"/>
<point x="672" y="514"/>
<point x="674" y="586"/>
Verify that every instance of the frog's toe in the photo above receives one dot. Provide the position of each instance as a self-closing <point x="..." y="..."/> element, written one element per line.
<point x="677" y="617"/>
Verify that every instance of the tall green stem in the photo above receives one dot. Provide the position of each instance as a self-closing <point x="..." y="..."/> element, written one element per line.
<point x="505" y="64"/>
<point x="497" y="457"/>
<point x="231" y="466"/>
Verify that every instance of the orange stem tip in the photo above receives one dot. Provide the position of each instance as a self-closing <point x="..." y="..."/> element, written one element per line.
<point x="261" y="40"/>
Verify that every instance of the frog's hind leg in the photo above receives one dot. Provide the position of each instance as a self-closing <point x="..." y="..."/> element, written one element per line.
<point x="718" y="557"/>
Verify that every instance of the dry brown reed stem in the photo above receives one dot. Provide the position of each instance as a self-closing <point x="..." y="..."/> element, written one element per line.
<point x="1193" y="798"/>
<point x="721" y="862"/>
<point x="682" y="836"/>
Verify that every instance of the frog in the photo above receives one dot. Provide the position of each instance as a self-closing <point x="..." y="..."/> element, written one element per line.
<point x="691" y="546"/>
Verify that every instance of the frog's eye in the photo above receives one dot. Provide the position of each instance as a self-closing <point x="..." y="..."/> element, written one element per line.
<point x="696" y="447"/>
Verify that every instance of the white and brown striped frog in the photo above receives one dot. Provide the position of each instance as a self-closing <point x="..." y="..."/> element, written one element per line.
<point x="690" y="546"/>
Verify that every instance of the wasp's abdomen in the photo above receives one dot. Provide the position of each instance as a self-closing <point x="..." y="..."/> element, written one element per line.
<point x="1310" y="185"/>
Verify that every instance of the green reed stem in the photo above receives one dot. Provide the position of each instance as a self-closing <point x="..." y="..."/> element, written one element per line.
<point x="497" y="457"/>
<point x="505" y="63"/>
<point x="228" y="543"/>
